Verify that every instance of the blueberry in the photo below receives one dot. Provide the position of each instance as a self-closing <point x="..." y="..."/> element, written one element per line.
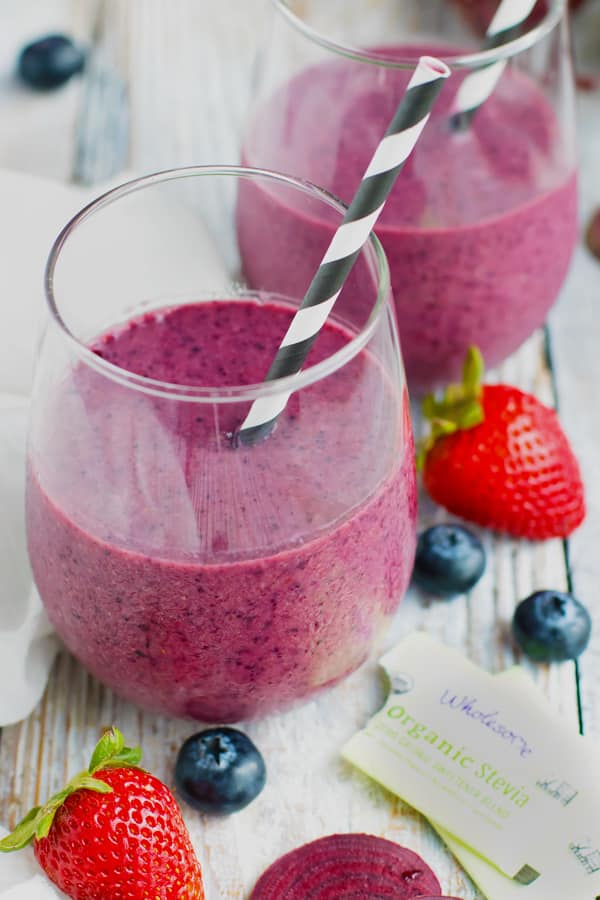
<point x="49" y="62"/>
<point x="219" y="771"/>
<point x="450" y="560"/>
<point x="551" y="626"/>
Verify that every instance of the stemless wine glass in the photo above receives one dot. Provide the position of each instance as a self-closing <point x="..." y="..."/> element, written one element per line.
<point x="192" y="575"/>
<point x="481" y="225"/>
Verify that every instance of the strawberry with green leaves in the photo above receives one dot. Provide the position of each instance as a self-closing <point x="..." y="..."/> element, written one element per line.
<point x="114" y="833"/>
<point x="497" y="456"/>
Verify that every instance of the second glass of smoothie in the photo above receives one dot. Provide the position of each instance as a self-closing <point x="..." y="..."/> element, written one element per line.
<point x="480" y="227"/>
<point x="192" y="575"/>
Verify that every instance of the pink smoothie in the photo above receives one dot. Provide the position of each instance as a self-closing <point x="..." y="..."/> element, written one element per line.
<point x="478" y="231"/>
<point x="211" y="582"/>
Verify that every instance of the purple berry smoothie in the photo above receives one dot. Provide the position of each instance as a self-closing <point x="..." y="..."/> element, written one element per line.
<point x="478" y="231"/>
<point x="209" y="582"/>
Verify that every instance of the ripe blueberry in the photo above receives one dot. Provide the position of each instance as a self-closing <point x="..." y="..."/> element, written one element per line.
<point x="551" y="626"/>
<point x="49" y="62"/>
<point x="219" y="771"/>
<point x="449" y="560"/>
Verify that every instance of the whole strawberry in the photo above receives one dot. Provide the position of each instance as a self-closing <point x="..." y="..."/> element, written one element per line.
<point x="114" y="833"/>
<point x="499" y="457"/>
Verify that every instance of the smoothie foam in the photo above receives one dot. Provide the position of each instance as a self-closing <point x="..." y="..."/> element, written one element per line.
<point x="478" y="231"/>
<point x="209" y="582"/>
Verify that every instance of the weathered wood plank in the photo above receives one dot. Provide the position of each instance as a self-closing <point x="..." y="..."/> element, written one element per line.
<point x="102" y="124"/>
<point x="575" y="332"/>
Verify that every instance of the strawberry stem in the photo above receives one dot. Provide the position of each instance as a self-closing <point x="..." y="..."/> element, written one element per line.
<point x="458" y="408"/>
<point x="110" y="752"/>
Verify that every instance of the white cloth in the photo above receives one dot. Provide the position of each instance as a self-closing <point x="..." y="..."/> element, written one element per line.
<point x="31" y="212"/>
<point x="20" y="877"/>
<point x="27" y="647"/>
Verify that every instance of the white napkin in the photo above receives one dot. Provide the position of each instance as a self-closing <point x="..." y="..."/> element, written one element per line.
<point x="27" y="647"/>
<point x="20" y="877"/>
<point x="31" y="212"/>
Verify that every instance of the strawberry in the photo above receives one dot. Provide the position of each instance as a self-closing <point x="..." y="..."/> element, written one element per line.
<point x="498" y="457"/>
<point x="114" y="833"/>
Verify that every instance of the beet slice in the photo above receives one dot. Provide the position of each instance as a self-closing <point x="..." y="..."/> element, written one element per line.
<point x="347" y="867"/>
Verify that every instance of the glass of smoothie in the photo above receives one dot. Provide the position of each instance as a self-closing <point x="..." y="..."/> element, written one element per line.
<point x="480" y="227"/>
<point x="192" y="574"/>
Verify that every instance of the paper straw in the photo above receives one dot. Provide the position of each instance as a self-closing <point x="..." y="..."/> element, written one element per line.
<point x="478" y="85"/>
<point x="377" y="182"/>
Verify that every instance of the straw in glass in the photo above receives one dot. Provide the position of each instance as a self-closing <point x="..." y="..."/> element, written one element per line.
<point x="392" y="152"/>
<point x="479" y="84"/>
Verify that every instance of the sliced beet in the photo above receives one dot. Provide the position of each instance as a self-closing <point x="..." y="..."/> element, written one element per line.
<point x="348" y="866"/>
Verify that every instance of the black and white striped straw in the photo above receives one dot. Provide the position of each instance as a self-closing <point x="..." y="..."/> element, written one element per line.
<point x="377" y="182"/>
<point x="479" y="84"/>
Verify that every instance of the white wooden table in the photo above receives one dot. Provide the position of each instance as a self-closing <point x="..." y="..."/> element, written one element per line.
<point x="167" y="54"/>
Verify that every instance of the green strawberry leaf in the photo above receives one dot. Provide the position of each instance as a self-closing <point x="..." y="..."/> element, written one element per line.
<point x="454" y="393"/>
<point x="439" y="428"/>
<point x="22" y="834"/>
<point x="473" y="371"/>
<point x="471" y="414"/>
<point x="110" y="745"/>
<point x="110" y="752"/>
<point x="429" y="407"/>
<point x="459" y="407"/>
<point x="129" y="756"/>
<point x="44" y="824"/>
<point x="89" y="783"/>
<point x="44" y="818"/>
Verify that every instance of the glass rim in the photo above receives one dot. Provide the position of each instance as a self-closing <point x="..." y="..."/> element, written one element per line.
<point x="553" y="16"/>
<point x="226" y="393"/>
